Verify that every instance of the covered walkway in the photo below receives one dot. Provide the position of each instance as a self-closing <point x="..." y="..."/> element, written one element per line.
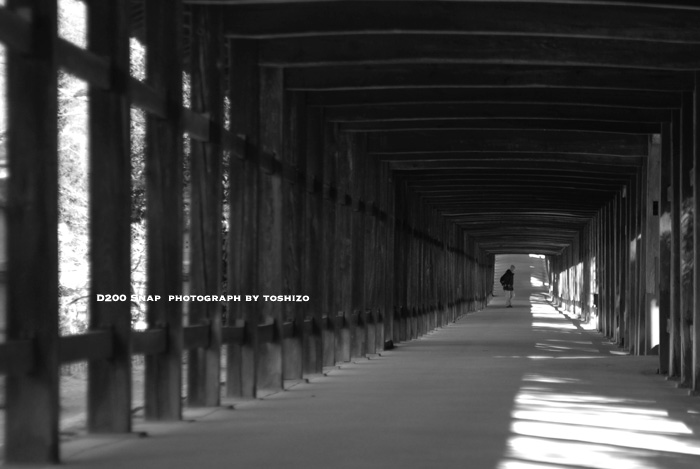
<point x="270" y="188"/>
<point x="500" y="388"/>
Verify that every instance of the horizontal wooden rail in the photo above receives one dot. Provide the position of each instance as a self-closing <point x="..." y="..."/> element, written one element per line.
<point x="93" y="345"/>
<point x="16" y="357"/>
<point x="196" y="125"/>
<point x="148" y="342"/>
<point x="288" y="330"/>
<point x="145" y="97"/>
<point x="266" y="331"/>
<point x="233" y="334"/>
<point x="196" y="336"/>
<point x="82" y="63"/>
<point x="309" y="326"/>
<point x="15" y="31"/>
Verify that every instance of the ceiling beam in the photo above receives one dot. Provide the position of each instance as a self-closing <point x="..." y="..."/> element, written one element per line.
<point x="530" y="141"/>
<point x="499" y="123"/>
<point x="580" y="19"/>
<point x="488" y="110"/>
<point x="458" y="75"/>
<point x="574" y="96"/>
<point x="478" y="50"/>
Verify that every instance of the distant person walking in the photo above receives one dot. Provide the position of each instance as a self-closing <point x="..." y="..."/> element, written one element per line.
<point x="507" y="283"/>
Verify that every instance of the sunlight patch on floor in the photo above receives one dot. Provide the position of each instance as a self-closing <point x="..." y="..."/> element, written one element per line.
<point x="554" y="423"/>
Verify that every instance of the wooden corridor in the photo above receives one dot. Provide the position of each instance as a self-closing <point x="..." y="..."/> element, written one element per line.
<point x="356" y="166"/>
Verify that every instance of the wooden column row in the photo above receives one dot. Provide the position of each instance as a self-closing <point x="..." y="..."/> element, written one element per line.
<point x="645" y="257"/>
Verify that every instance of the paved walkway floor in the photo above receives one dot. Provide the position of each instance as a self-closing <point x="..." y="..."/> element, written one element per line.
<point x="518" y="388"/>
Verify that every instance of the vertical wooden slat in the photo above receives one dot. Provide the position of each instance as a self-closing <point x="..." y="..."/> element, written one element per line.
<point x="357" y="159"/>
<point x="109" y="381"/>
<point x="343" y="242"/>
<point x="313" y="269"/>
<point x="164" y="159"/>
<point x="206" y="206"/>
<point x="270" y="226"/>
<point x="696" y="239"/>
<point x="293" y="228"/>
<point x="31" y="433"/>
<point x="687" y="255"/>
<point x="242" y="262"/>
<point x="329" y="270"/>
<point x="674" y="370"/>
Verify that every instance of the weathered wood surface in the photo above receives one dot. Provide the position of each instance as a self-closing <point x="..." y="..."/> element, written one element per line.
<point x="31" y="428"/>
<point x="109" y="379"/>
<point x="524" y="19"/>
<point x="205" y="263"/>
<point x="242" y="262"/>
<point x="478" y="50"/>
<point x="164" y="156"/>
<point x="271" y="253"/>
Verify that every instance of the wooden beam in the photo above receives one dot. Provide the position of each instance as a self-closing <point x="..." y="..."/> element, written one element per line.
<point x="270" y="376"/>
<point x="597" y="143"/>
<point x="498" y="94"/>
<point x="456" y="75"/>
<point x="164" y="157"/>
<point x="503" y="124"/>
<point x="477" y="110"/>
<point x="94" y="345"/>
<point x="205" y="263"/>
<point x="32" y="400"/>
<point x="522" y="19"/>
<point x="109" y="379"/>
<point x="478" y="50"/>
<point x="469" y="157"/>
<point x="243" y="229"/>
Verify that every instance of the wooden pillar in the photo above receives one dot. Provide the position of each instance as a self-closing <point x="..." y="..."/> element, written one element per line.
<point x="109" y="381"/>
<point x="374" y="258"/>
<point x="294" y="231"/>
<point x="687" y="229"/>
<point x="314" y="265"/>
<point x="270" y="376"/>
<point x="695" y="319"/>
<point x="31" y="428"/>
<point x="665" y="247"/>
<point x="674" y="370"/>
<point x="206" y="207"/>
<point x="164" y="208"/>
<point x="654" y="280"/>
<point x="242" y="261"/>
<point x="388" y="226"/>
<point x="329" y="253"/>
<point x="356" y="156"/>
<point x="343" y="243"/>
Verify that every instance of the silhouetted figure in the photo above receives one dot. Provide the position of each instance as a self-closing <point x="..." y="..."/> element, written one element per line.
<point x="507" y="283"/>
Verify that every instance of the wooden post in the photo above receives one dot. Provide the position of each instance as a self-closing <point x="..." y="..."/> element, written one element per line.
<point x="294" y="230"/>
<point x="270" y="376"/>
<point x="329" y="253"/>
<point x="242" y="262"/>
<point x="343" y="244"/>
<point x="687" y="229"/>
<point x="109" y="381"/>
<point x="674" y="368"/>
<point x="314" y="263"/>
<point x="31" y="429"/>
<point x="356" y="156"/>
<point x="695" y="318"/>
<point x="206" y="207"/>
<point x="164" y="216"/>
